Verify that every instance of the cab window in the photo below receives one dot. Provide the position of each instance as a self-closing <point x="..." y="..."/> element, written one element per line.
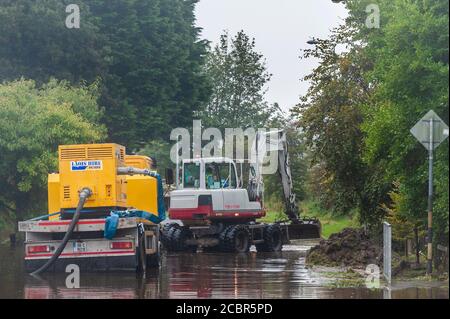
<point x="212" y="176"/>
<point x="220" y="175"/>
<point x="227" y="175"/>
<point x="191" y="177"/>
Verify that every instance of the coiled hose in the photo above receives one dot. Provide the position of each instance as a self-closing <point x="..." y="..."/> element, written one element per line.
<point x="84" y="195"/>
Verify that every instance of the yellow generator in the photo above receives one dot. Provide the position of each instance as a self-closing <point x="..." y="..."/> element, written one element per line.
<point x="142" y="191"/>
<point x="96" y="166"/>
<point x="139" y="161"/>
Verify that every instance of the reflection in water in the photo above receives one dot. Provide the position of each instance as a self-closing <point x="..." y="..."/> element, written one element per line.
<point x="202" y="275"/>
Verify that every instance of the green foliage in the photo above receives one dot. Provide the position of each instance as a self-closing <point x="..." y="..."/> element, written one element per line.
<point x="238" y="76"/>
<point x="410" y="77"/>
<point x="160" y="151"/>
<point x="33" y="122"/>
<point x="155" y="69"/>
<point x="330" y="115"/>
<point x="35" y="43"/>
<point x="82" y="99"/>
<point x="395" y="215"/>
<point x="362" y="104"/>
<point x="331" y="223"/>
<point x="147" y="54"/>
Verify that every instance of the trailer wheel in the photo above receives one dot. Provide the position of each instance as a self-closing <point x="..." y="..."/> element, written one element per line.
<point x="155" y="259"/>
<point x="237" y="239"/>
<point x="141" y="258"/>
<point x="273" y="239"/>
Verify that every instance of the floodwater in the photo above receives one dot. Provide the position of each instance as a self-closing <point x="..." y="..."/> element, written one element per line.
<point x="201" y="275"/>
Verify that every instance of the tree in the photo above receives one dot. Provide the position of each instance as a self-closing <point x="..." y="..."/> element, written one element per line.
<point x="147" y="54"/>
<point x="160" y="151"/>
<point x="331" y="116"/>
<point x="35" y="43"/>
<point x="154" y="81"/>
<point x="363" y="102"/>
<point x="238" y="76"/>
<point x="398" y="218"/>
<point x="33" y="122"/>
<point x="239" y="80"/>
<point x="409" y="77"/>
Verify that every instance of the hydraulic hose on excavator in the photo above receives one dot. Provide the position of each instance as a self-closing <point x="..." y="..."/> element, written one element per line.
<point x="84" y="195"/>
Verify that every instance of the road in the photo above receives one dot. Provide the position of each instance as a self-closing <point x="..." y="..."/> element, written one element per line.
<point x="201" y="275"/>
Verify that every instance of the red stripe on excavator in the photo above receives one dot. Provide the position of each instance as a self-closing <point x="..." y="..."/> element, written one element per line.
<point x="188" y="213"/>
<point x="206" y="210"/>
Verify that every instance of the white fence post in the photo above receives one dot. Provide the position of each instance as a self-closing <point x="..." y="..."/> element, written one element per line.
<point x="387" y="252"/>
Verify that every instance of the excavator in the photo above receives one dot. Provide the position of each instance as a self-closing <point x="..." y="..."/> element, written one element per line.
<point x="217" y="213"/>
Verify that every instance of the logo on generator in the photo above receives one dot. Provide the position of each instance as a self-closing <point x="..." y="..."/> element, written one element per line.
<point x="86" y="165"/>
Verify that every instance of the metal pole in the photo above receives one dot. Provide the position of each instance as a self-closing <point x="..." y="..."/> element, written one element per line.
<point x="430" y="203"/>
<point x="387" y="252"/>
<point x="177" y="167"/>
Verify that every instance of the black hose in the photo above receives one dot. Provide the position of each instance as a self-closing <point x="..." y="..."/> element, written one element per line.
<point x="84" y="194"/>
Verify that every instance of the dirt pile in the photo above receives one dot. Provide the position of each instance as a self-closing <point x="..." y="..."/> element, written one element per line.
<point x="350" y="247"/>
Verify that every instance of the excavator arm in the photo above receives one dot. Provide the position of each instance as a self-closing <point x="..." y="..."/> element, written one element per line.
<point x="297" y="227"/>
<point x="284" y="171"/>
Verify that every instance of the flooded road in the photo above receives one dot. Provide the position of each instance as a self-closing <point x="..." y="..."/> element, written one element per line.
<point x="201" y="275"/>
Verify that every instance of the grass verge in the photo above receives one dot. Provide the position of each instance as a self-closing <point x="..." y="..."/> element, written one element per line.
<point x="330" y="223"/>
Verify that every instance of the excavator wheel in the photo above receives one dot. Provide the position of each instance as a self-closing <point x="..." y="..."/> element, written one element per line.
<point x="273" y="239"/>
<point x="237" y="239"/>
<point x="178" y="239"/>
<point x="166" y="235"/>
<point x="222" y="237"/>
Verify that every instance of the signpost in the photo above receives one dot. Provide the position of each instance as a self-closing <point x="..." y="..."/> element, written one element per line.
<point x="431" y="131"/>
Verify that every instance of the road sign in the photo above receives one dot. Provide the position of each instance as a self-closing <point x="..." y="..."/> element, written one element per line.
<point x="422" y="130"/>
<point x="431" y="131"/>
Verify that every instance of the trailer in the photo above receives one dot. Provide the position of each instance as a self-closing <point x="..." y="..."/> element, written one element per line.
<point x="134" y="247"/>
<point x="104" y="210"/>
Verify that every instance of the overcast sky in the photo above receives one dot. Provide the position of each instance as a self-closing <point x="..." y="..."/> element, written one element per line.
<point x="281" y="28"/>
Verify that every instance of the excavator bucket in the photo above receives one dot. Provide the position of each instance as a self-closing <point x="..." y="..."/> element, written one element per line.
<point x="304" y="229"/>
